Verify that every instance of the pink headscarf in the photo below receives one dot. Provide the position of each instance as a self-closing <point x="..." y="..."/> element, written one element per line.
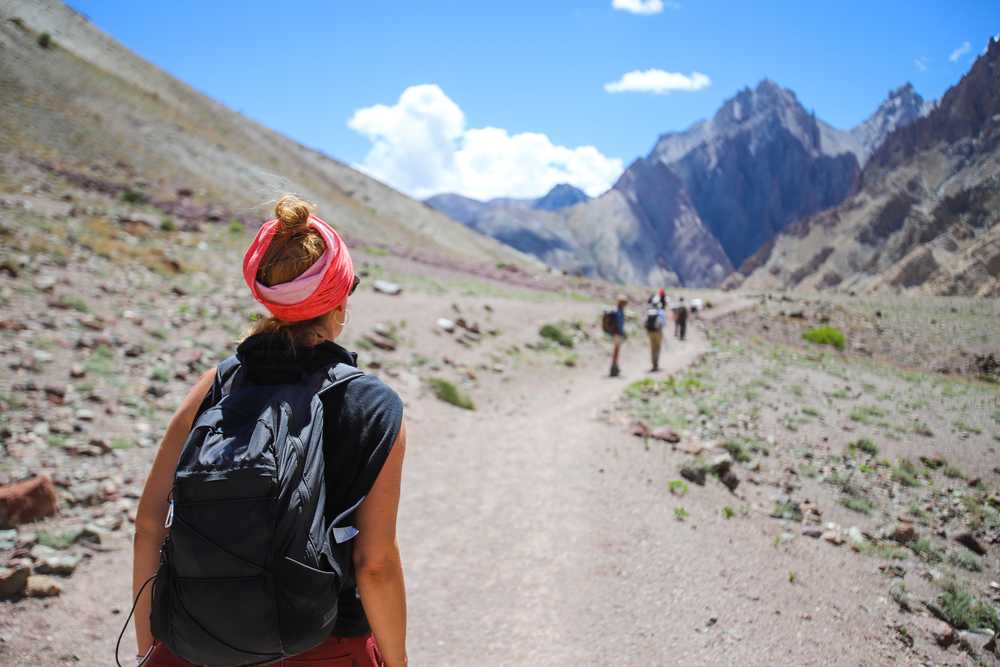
<point x="321" y="288"/>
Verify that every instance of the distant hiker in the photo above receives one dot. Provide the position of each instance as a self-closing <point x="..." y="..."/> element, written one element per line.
<point x="617" y="333"/>
<point x="680" y="319"/>
<point x="656" y="319"/>
<point x="267" y="524"/>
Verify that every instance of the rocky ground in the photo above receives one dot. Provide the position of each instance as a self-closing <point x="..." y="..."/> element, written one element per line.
<point x="886" y="450"/>
<point x="840" y="488"/>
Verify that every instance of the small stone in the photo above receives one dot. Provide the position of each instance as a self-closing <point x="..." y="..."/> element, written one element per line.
<point x="969" y="541"/>
<point x="730" y="480"/>
<point x="855" y="536"/>
<point x="904" y="533"/>
<point x="814" y="532"/>
<point x="943" y="634"/>
<point x="26" y="501"/>
<point x="977" y="641"/>
<point x="63" y="564"/>
<point x="445" y="325"/>
<point x="77" y="371"/>
<point x="85" y="414"/>
<point x="13" y="581"/>
<point x="42" y="586"/>
<point x="640" y="430"/>
<point x="833" y="537"/>
<point x="721" y="464"/>
<point x="8" y="539"/>
<point x="666" y="435"/>
<point x="694" y="474"/>
<point x="386" y="287"/>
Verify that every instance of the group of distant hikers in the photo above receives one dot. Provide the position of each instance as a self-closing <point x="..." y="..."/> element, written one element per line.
<point x="657" y="308"/>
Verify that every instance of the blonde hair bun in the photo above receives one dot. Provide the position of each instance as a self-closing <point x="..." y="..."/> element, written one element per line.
<point x="292" y="212"/>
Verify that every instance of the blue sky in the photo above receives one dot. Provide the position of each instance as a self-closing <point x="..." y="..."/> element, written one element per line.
<point x="534" y="71"/>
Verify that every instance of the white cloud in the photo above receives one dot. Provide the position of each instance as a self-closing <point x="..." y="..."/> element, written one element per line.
<point x="421" y="145"/>
<point x="657" y="81"/>
<point x="959" y="52"/>
<point x="643" y="6"/>
<point x="920" y="64"/>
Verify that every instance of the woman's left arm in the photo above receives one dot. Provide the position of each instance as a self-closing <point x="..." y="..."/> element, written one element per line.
<point x="152" y="512"/>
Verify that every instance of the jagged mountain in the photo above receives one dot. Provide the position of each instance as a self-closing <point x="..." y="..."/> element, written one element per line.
<point x="903" y="106"/>
<point x="759" y="164"/>
<point x="927" y="215"/>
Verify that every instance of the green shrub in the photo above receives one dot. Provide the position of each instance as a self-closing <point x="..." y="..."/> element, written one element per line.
<point x="863" y="445"/>
<point x="133" y="197"/>
<point x="953" y="472"/>
<point x="965" y="560"/>
<point x="449" y="393"/>
<point x="728" y="512"/>
<point x="167" y="225"/>
<point x="556" y="335"/>
<point x="965" y="612"/>
<point x="680" y="513"/>
<point x="926" y="550"/>
<point x="906" y="473"/>
<point x="235" y="227"/>
<point x="45" y="41"/>
<point x="860" y="505"/>
<point x="678" y="487"/>
<point x="737" y="450"/>
<point x="826" y="335"/>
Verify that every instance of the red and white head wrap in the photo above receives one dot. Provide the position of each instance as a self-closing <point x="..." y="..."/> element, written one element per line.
<point x="321" y="288"/>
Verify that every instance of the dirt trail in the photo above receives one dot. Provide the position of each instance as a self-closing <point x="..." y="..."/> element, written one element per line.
<point x="535" y="531"/>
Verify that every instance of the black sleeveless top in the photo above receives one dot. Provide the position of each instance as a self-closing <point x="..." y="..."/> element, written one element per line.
<point x="362" y="422"/>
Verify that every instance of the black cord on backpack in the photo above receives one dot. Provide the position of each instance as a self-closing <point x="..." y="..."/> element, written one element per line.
<point x="118" y="644"/>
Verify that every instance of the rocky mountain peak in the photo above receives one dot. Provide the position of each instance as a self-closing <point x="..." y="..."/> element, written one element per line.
<point x="562" y="195"/>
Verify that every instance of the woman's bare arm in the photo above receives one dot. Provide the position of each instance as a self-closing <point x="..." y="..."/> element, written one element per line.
<point x="377" y="565"/>
<point x="152" y="513"/>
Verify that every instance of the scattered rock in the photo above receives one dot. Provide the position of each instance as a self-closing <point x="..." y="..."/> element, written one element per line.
<point x="50" y="561"/>
<point x="814" y="532"/>
<point x="446" y="325"/>
<point x="943" y="634"/>
<point x="42" y="586"/>
<point x="833" y="537"/>
<point x="855" y="535"/>
<point x="904" y="533"/>
<point x="26" y="501"/>
<point x="730" y="480"/>
<point x="13" y="581"/>
<point x="8" y="539"/>
<point x="976" y="641"/>
<point x="666" y="435"/>
<point x="385" y="287"/>
<point x="640" y="430"/>
<point x="969" y="541"/>
<point x="380" y="341"/>
<point x="694" y="474"/>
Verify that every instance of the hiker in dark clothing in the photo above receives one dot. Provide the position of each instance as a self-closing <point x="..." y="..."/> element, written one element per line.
<point x="680" y="320"/>
<point x="299" y="268"/>
<point x="618" y="335"/>
<point x="655" y="322"/>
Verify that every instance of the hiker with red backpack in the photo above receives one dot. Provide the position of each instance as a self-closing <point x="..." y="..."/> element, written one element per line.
<point x="613" y="324"/>
<point x="266" y="531"/>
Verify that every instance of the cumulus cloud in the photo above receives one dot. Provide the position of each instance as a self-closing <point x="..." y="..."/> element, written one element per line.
<point x="959" y="52"/>
<point x="657" y="81"/>
<point x="920" y="64"/>
<point x="643" y="6"/>
<point x="421" y="145"/>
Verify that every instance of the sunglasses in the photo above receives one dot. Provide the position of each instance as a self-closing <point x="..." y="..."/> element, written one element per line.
<point x="354" y="285"/>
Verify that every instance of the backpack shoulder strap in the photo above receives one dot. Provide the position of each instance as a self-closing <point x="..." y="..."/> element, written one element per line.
<point x="338" y="375"/>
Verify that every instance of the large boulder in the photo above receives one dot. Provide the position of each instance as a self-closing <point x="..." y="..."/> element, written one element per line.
<point x="25" y="501"/>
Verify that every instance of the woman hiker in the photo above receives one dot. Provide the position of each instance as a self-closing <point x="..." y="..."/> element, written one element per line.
<point x="301" y="271"/>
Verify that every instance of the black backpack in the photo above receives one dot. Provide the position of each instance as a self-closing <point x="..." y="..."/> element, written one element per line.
<point x="250" y="571"/>
<point x="653" y="320"/>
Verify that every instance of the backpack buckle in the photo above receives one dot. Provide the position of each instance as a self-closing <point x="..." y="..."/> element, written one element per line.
<point x="170" y="515"/>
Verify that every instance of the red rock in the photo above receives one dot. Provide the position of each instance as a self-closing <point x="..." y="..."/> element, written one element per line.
<point x="904" y="533"/>
<point x="26" y="501"/>
<point x="640" y="430"/>
<point x="666" y="434"/>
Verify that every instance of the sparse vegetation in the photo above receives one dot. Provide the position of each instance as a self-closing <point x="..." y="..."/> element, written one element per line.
<point x="965" y="560"/>
<point x="826" y="335"/>
<point x="906" y="473"/>
<point x="926" y="550"/>
<point x="678" y="487"/>
<point x="134" y="197"/>
<point x="860" y="505"/>
<point x="556" y="334"/>
<point x="449" y="393"/>
<point x="964" y="611"/>
<point x="864" y="445"/>
<point x="45" y="41"/>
